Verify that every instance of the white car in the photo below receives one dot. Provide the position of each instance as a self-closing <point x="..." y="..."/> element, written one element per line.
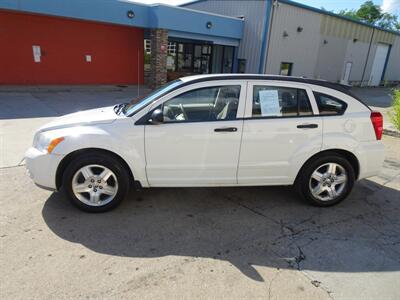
<point x="213" y="130"/>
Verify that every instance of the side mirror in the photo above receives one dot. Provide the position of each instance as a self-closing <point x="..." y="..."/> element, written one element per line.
<point x="157" y="117"/>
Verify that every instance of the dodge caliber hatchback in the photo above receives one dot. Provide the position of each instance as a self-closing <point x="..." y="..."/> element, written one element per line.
<point x="213" y="130"/>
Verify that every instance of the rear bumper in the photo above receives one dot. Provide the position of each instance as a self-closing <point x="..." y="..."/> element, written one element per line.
<point x="42" y="167"/>
<point x="371" y="156"/>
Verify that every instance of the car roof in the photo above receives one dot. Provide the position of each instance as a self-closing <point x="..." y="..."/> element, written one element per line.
<point x="345" y="89"/>
<point x="332" y="85"/>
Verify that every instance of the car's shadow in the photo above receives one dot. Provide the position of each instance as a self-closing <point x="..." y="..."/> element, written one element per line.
<point x="252" y="226"/>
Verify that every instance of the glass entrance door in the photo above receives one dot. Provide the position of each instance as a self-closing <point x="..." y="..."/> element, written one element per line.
<point x="227" y="62"/>
<point x="222" y="61"/>
<point x="202" y="59"/>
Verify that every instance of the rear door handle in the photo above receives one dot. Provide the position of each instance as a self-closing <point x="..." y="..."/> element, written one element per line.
<point x="307" y="126"/>
<point x="226" y="129"/>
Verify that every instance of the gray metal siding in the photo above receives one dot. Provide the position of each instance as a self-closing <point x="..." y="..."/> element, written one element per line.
<point x="331" y="58"/>
<point x="324" y="46"/>
<point x="393" y="67"/>
<point x="254" y="13"/>
<point x="356" y="54"/>
<point x="300" y="48"/>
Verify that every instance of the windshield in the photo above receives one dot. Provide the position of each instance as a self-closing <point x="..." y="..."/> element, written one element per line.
<point x="138" y="103"/>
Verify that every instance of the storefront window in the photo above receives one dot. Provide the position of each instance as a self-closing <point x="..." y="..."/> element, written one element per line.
<point x="184" y="58"/>
<point x="171" y="56"/>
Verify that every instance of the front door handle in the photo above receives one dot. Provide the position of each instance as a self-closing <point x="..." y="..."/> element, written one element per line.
<point x="226" y="129"/>
<point x="307" y="126"/>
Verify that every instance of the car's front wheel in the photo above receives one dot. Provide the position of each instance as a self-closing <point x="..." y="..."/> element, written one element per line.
<point x="96" y="182"/>
<point x="326" y="180"/>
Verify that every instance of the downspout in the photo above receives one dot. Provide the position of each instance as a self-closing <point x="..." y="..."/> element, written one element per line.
<point x="366" y="61"/>
<point x="274" y="4"/>
<point x="264" y="41"/>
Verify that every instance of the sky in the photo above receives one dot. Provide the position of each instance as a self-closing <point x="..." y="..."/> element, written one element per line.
<point x="392" y="6"/>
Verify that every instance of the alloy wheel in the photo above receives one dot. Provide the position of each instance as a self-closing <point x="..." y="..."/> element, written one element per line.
<point x="95" y="185"/>
<point x="328" y="181"/>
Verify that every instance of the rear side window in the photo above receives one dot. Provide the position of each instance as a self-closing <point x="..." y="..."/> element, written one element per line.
<point x="274" y="101"/>
<point x="328" y="105"/>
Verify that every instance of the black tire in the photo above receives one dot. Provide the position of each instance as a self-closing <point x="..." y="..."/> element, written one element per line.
<point x="303" y="179"/>
<point x="102" y="159"/>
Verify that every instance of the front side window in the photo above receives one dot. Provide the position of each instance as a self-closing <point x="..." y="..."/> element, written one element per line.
<point x="138" y="103"/>
<point x="328" y="105"/>
<point x="204" y="104"/>
<point x="273" y="101"/>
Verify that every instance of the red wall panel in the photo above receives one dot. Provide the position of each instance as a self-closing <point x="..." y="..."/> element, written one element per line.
<point x="117" y="51"/>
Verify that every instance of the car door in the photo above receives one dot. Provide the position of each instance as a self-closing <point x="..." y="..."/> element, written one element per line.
<point x="199" y="140"/>
<point x="281" y="131"/>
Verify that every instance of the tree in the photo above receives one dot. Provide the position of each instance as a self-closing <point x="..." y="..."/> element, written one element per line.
<point x="369" y="12"/>
<point x="372" y="14"/>
<point x="350" y="13"/>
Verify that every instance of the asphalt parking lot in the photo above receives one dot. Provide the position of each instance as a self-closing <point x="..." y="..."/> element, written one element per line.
<point x="208" y="243"/>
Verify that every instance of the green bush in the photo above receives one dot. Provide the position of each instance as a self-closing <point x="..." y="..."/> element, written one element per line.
<point x="394" y="113"/>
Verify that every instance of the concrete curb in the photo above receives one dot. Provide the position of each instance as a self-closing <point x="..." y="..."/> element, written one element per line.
<point x="390" y="132"/>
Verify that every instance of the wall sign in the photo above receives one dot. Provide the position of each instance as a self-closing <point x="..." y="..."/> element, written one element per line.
<point x="36" y="53"/>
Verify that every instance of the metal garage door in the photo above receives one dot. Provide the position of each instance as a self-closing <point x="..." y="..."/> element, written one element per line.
<point x="378" y="64"/>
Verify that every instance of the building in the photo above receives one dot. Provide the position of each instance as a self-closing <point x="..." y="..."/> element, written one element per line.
<point x="123" y="42"/>
<point x="288" y="38"/>
<point x="101" y="42"/>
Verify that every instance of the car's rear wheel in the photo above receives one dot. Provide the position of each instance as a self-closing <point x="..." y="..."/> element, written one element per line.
<point x="96" y="182"/>
<point x="326" y="180"/>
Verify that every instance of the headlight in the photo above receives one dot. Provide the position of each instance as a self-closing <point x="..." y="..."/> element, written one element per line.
<point x="41" y="142"/>
<point x="46" y="144"/>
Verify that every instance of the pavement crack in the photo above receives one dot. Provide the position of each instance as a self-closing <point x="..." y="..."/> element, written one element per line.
<point x="255" y="211"/>
<point x="10" y="167"/>
<point x="300" y="257"/>
<point x="271" y="282"/>
<point x="280" y="222"/>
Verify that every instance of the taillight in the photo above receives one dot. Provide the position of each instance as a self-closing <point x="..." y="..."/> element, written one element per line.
<point x="377" y="122"/>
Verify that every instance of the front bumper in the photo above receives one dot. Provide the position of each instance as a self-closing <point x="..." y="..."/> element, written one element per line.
<point x="42" y="167"/>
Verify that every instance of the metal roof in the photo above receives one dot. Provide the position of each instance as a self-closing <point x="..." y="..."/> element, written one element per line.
<point x="329" y="13"/>
<point x="129" y="13"/>
<point x="317" y="10"/>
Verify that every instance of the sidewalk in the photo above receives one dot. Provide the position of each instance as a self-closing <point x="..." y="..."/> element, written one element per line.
<point x="26" y="108"/>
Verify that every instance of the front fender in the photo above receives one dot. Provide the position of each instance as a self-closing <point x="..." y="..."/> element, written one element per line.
<point x="128" y="143"/>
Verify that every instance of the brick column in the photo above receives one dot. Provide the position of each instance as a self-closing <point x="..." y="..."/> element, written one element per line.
<point x="158" y="60"/>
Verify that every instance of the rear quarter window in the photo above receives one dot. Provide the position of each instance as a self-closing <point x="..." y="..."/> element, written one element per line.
<point x="329" y="105"/>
